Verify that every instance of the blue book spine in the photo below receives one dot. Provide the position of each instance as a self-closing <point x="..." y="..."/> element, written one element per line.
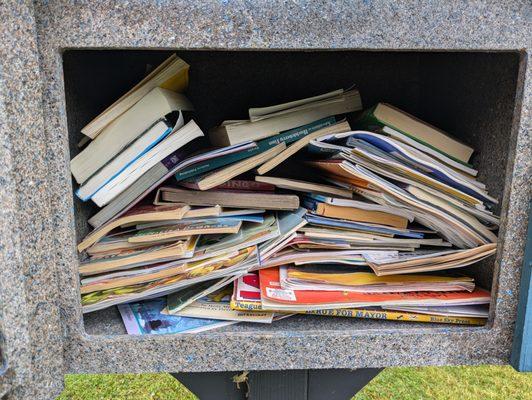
<point x="309" y="204"/>
<point x="317" y="197"/>
<point x="148" y="148"/>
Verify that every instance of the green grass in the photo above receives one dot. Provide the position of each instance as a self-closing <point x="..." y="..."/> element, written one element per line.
<point x="124" y="387"/>
<point x="449" y="383"/>
<point x="445" y="383"/>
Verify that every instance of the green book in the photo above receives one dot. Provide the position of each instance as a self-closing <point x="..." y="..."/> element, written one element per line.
<point x="419" y="134"/>
<point x="289" y="136"/>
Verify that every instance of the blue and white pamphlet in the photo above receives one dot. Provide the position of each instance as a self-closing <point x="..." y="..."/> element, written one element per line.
<point x="145" y="317"/>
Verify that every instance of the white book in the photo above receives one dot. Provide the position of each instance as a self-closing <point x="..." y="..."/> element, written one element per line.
<point x="125" y="129"/>
<point x="420" y="159"/>
<point x="154" y="177"/>
<point x="171" y="74"/>
<point x="464" y="217"/>
<point x="426" y="149"/>
<point x="241" y="131"/>
<point x="396" y="171"/>
<point x="139" y="147"/>
<point x="267" y="112"/>
<point x="448" y="225"/>
<point x="411" y="155"/>
<point x="136" y="169"/>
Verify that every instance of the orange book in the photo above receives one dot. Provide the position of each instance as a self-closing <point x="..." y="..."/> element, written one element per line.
<point x="333" y="168"/>
<point x="359" y="215"/>
<point x="246" y="297"/>
<point x="274" y="297"/>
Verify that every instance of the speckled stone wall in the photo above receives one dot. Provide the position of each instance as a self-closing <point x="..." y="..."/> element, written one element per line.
<point x="41" y="317"/>
<point x="30" y="325"/>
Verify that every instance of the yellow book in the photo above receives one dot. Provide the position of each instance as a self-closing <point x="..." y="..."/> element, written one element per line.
<point x="178" y="82"/>
<point x="398" y="316"/>
<point x="369" y="278"/>
<point x="359" y="215"/>
<point x="370" y="314"/>
<point x="172" y="74"/>
<point x="245" y="305"/>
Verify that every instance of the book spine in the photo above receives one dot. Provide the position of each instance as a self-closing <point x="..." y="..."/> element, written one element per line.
<point x="243" y="185"/>
<point x="398" y="316"/>
<point x="138" y="190"/>
<point x="129" y="197"/>
<point x="178" y="156"/>
<point x="215" y="163"/>
<point x="293" y="135"/>
<point x="288" y="137"/>
<point x="321" y="151"/>
<point x="173" y="159"/>
<point x="370" y="314"/>
<point x="309" y="204"/>
<point x="368" y="121"/>
<point x="233" y="186"/>
<point x="82" y="191"/>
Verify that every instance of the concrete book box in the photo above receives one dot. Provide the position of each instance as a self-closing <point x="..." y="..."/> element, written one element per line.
<point x="464" y="70"/>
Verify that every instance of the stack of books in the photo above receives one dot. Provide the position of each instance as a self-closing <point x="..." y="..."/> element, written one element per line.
<point x="294" y="210"/>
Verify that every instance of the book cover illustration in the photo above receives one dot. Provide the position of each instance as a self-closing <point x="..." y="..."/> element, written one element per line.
<point x="145" y="317"/>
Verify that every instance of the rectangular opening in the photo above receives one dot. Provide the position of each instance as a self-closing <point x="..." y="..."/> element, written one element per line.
<point x="468" y="94"/>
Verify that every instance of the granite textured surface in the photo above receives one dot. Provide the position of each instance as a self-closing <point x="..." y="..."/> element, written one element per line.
<point x="29" y="317"/>
<point x="40" y="290"/>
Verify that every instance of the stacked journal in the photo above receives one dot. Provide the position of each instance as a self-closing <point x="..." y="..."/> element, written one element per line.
<point x="313" y="206"/>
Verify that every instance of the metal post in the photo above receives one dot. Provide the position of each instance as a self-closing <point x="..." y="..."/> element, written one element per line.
<point x="315" y="384"/>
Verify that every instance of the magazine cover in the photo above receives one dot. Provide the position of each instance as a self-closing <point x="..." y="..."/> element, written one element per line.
<point x="145" y="317"/>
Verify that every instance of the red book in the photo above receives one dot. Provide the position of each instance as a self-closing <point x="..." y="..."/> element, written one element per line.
<point x="247" y="287"/>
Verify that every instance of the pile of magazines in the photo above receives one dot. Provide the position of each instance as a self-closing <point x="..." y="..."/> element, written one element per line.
<point x="315" y="206"/>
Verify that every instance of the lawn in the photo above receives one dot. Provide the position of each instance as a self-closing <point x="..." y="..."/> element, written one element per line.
<point x="445" y="383"/>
